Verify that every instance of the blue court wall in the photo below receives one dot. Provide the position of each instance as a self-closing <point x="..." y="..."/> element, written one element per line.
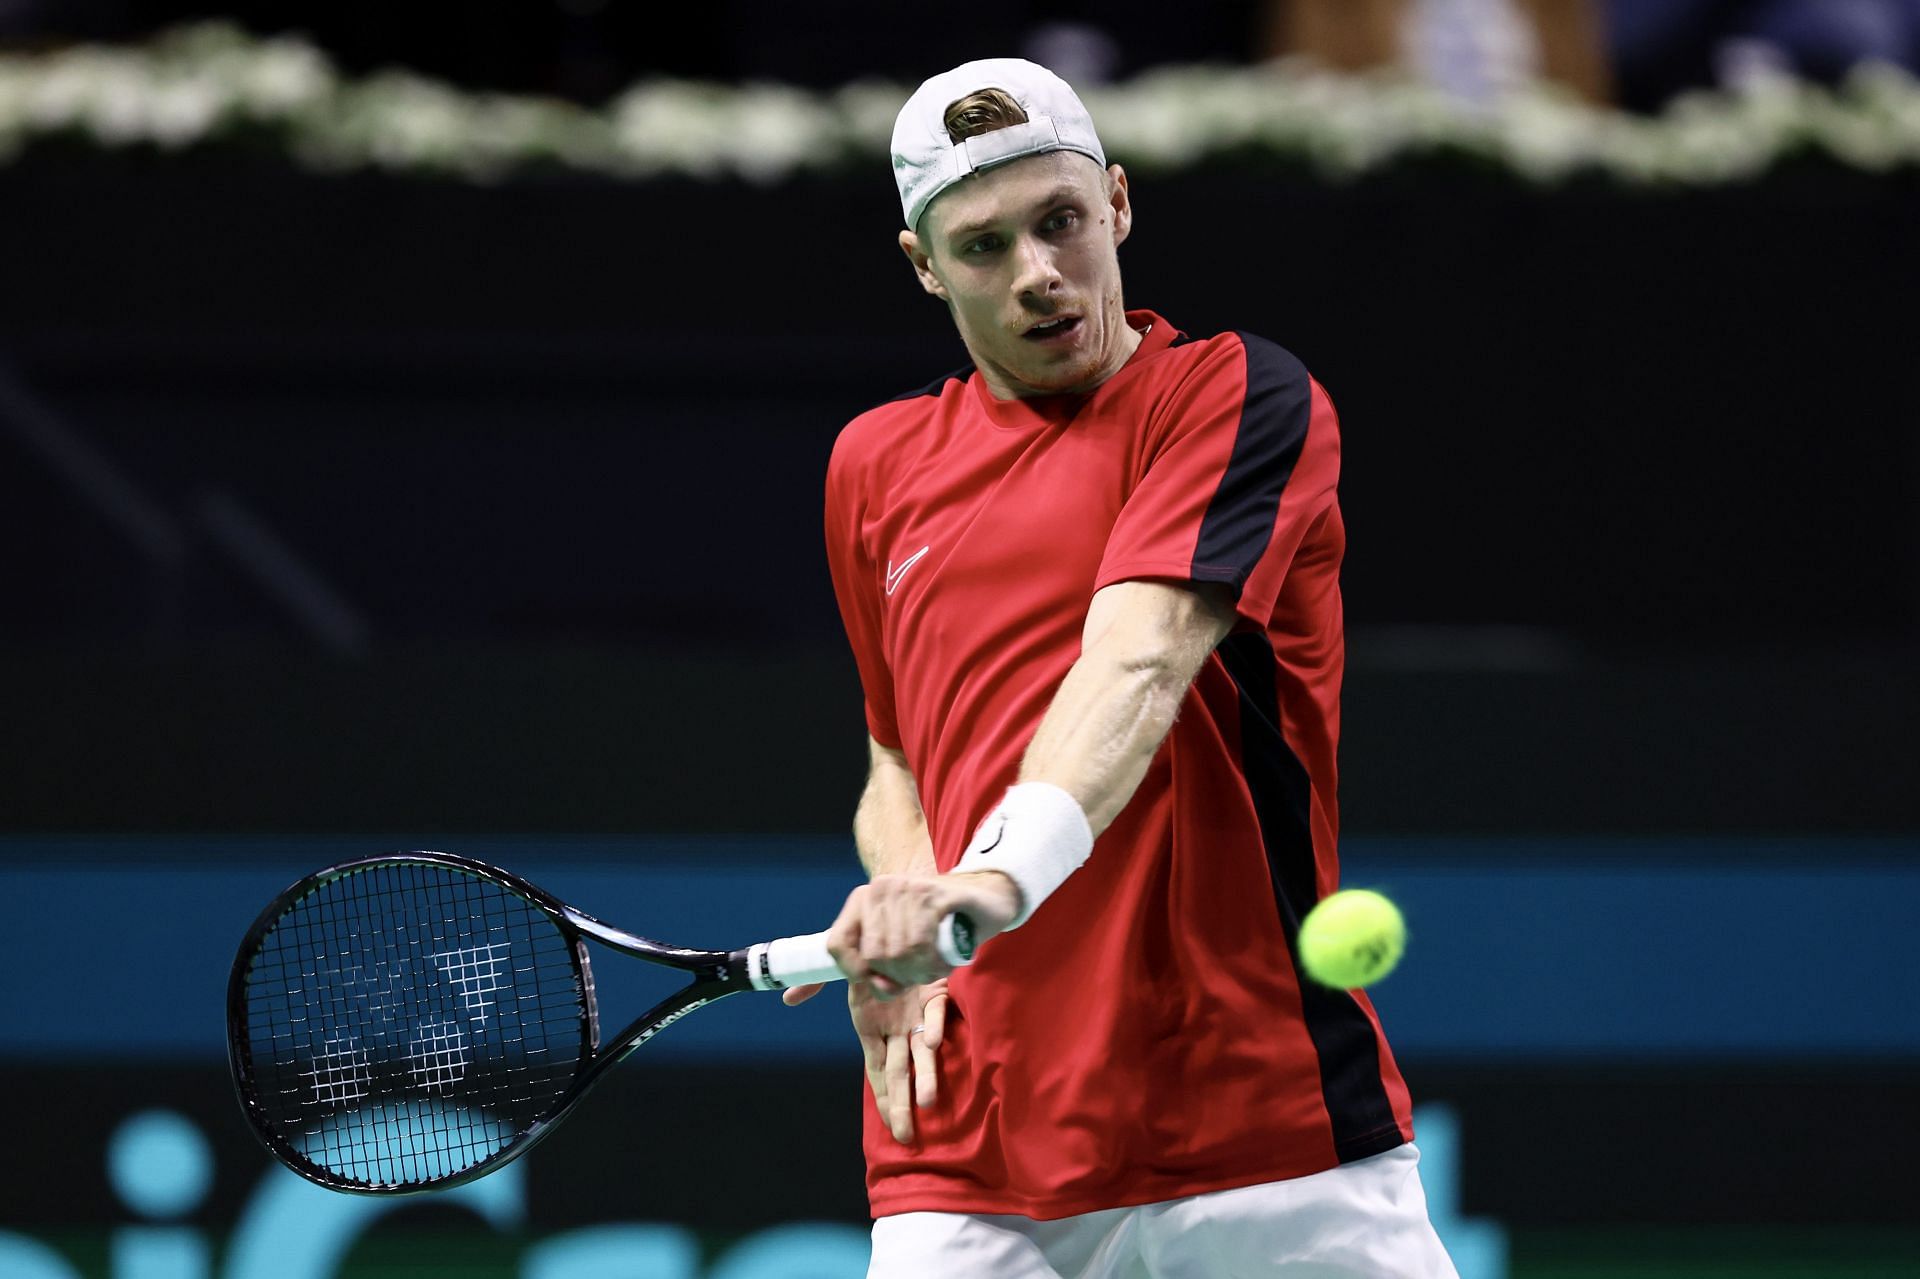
<point x="1542" y="950"/>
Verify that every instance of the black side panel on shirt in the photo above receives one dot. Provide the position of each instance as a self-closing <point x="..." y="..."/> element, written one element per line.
<point x="1342" y="1034"/>
<point x="937" y="385"/>
<point x="1273" y="429"/>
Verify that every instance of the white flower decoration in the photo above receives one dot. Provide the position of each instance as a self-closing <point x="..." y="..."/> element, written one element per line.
<point x="209" y="82"/>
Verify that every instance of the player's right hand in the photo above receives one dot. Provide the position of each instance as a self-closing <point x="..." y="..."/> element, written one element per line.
<point x="901" y="1067"/>
<point x="888" y="932"/>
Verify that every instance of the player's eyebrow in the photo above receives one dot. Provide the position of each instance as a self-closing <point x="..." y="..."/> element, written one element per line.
<point x="1059" y="195"/>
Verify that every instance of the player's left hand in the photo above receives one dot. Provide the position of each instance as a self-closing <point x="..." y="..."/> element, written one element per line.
<point x="887" y="933"/>
<point x="899" y="1039"/>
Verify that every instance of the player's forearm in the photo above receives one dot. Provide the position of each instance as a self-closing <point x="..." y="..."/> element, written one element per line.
<point x="889" y="828"/>
<point x="1119" y="701"/>
<point x="1143" y="644"/>
<point x="1102" y="731"/>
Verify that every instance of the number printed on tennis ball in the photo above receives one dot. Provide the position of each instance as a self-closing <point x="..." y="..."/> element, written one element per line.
<point x="1352" y="939"/>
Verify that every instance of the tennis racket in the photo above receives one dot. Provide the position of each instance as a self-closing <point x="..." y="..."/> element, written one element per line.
<point x="413" y="1021"/>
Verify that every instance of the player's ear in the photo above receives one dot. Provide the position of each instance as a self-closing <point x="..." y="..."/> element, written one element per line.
<point x="922" y="265"/>
<point x="1120" y="202"/>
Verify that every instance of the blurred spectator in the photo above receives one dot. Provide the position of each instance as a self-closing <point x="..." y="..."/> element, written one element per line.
<point x="1078" y="52"/>
<point x="1824" y="39"/>
<point x="1636" y="52"/>
<point x="1475" y="49"/>
<point x="1662" y="47"/>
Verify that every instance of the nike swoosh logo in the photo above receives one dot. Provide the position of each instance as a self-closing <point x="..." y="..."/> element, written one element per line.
<point x="895" y="574"/>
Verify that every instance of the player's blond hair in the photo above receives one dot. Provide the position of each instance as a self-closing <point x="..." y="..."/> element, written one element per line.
<point x="982" y="112"/>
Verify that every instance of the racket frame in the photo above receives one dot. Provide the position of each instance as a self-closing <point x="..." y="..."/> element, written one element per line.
<point x="717" y="974"/>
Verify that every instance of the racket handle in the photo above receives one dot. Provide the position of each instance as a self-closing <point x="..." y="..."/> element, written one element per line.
<point x="955" y="940"/>
<point x="803" y="961"/>
<point x="791" y="961"/>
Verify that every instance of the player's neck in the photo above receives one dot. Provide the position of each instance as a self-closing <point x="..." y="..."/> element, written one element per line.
<point x="1003" y="386"/>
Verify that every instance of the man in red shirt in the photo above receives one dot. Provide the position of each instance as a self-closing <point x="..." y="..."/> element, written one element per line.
<point x="1092" y="588"/>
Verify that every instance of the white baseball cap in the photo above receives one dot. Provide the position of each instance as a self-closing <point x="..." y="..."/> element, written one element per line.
<point x="926" y="161"/>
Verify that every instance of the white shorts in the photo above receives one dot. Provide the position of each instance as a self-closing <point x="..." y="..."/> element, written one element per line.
<point x="1363" y="1219"/>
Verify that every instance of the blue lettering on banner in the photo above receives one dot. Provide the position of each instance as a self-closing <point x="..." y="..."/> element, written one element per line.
<point x="293" y="1229"/>
<point x="659" y="1252"/>
<point x="24" y="1258"/>
<point x="160" y="1165"/>
<point x="1478" y="1247"/>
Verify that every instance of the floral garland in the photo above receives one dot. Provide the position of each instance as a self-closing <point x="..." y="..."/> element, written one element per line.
<point x="213" y="84"/>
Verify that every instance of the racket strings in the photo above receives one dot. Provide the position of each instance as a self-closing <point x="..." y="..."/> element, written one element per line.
<point x="408" y="1021"/>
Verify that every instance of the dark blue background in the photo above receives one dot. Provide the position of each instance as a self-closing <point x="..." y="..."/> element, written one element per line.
<point x="1564" y="950"/>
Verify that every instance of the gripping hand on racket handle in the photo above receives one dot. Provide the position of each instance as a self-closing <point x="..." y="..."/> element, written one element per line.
<point x="888" y="934"/>
<point x="894" y="931"/>
<point x="902" y="930"/>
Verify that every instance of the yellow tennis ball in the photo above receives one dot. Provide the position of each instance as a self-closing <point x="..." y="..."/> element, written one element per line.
<point x="1352" y="939"/>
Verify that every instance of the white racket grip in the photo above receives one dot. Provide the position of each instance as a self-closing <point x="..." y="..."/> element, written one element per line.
<point x="791" y="961"/>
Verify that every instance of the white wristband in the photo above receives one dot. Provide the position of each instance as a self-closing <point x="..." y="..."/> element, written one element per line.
<point x="1036" y="837"/>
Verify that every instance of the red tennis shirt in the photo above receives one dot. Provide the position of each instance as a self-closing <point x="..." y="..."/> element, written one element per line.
<point x="1146" y="1035"/>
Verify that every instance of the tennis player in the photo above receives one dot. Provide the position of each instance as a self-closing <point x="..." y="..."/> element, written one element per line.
<point x="1091" y="583"/>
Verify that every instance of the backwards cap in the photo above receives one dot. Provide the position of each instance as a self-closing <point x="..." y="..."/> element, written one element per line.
<point x="926" y="161"/>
